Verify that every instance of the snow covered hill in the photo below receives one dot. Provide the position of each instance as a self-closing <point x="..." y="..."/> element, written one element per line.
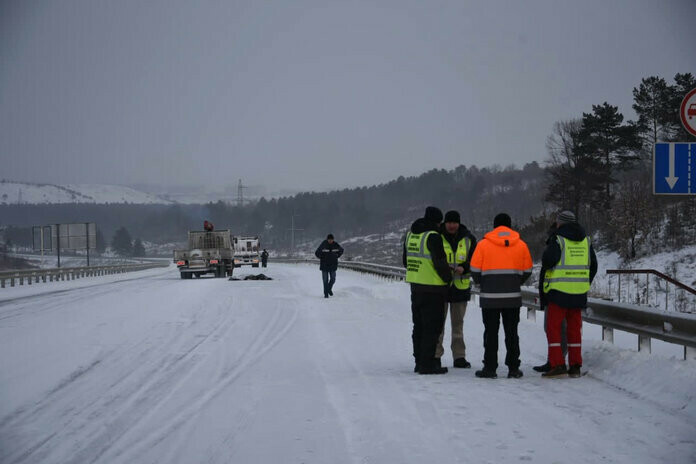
<point x="13" y="193"/>
<point x="145" y="367"/>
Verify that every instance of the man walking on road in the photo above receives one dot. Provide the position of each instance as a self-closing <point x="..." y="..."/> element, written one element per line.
<point x="429" y="274"/>
<point x="570" y="265"/>
<point x="459" y="245"/>
<point x="328" y="253"/>
<point x="500" y="265"/>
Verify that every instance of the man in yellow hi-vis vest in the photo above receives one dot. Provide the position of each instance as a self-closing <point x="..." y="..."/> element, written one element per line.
<point x="429" y="274"/>
<point x="570" y="264"/>
<point x="459" y="246"/>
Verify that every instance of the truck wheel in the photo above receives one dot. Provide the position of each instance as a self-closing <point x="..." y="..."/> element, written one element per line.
<point x="220" y="271"/>
<point x="255" y="265"/>
<point x="183" y="276"/>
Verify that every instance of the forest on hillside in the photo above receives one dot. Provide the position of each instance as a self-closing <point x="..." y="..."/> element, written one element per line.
<point x="599" y="165"/>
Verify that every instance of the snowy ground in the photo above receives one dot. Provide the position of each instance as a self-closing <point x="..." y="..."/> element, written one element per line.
<point x="145" y="367"/>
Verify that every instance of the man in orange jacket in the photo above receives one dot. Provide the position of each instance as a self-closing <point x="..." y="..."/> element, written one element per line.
<point x="500" y="265"/>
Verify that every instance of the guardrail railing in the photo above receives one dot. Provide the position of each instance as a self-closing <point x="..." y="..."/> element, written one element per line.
<point x="646" y="290"/>
<point x="69" y="273"/>
<point x="646" y="323"/>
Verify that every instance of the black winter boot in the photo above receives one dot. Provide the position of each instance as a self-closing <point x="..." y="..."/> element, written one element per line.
<point x="557" y="371"/>
<point x="514" y="373"/>
<point x="543" y="367"/>
<point x="574" y="371"/>
<point x="486" y="374"/>
<point x="462" y="363"/>
<point x="432" y="370"/>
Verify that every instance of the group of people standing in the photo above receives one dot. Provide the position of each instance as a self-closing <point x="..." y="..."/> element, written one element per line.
<point x="441" y="258"/>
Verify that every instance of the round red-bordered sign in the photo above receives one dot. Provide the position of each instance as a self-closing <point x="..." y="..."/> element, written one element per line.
<point x="687" y="111"/>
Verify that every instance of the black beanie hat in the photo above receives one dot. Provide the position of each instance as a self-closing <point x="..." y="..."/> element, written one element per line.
<point x="433" y="214"/>
<point x="566" y="217"/>
<point x="502" y="220"/>
<point x="329" y="237"/>
<point x="452" y="216"/>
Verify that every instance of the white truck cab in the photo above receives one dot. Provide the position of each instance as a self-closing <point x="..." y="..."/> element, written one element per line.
<point x="246" y="251"/>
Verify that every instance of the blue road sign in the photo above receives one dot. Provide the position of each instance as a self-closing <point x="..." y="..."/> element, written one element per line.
<point x="674" y="169"/>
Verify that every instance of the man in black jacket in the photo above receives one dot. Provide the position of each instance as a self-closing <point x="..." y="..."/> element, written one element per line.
<point x="461" y="244"/>
<point x="566" y="305"/>
<point x="264" y="258"/>
<point x="429" y="274"/>
<point x="328" y="253"/>
<point x="543" y="304"/>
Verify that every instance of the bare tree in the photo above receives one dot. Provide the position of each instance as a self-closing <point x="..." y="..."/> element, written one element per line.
<point x="573" y="174"/>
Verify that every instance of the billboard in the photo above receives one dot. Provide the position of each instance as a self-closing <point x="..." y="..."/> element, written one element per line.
<point x="77" y="236"/>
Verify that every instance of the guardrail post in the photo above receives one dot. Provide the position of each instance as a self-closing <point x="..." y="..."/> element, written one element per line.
<point x="689" y="353"/>
<point x="531" y="314"/>
<point x="43" y="278"/>
<point x="21" y="280"/>
<point x="608" y="334"/>
<point x="644" y="343"/>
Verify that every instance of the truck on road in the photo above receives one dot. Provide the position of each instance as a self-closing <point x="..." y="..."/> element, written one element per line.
<point x="209" y="252"/>
<point x="246" y="251"/>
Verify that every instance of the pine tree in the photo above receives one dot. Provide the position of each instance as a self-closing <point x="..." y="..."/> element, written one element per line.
<point x="652" y="102"/>
<point x="605" y="138"/>
<point x="122" y="244"/>
<point x="138" y="248"/>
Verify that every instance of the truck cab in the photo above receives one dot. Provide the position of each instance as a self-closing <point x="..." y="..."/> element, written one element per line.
<point x="246" y="251"/>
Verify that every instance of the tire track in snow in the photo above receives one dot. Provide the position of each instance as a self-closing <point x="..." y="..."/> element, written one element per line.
<point x="272" y="334"/>
<point x="138" y="395"/>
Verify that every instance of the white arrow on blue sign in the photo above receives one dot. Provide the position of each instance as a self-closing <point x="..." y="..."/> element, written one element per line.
<point x="674" y="169"/>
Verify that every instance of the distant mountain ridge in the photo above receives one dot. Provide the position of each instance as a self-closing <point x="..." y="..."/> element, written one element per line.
<point x="26" y="193"/>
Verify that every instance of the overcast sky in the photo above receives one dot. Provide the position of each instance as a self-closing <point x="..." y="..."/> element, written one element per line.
<point x="312" y="95"/>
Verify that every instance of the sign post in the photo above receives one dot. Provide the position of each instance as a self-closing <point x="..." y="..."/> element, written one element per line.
<point x="687" y="112"/>
<point x="674" y="163"/>
<point x="674" y="169"/>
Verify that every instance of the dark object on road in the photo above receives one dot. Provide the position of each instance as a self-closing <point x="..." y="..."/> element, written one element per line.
<point x="252" y="277"/>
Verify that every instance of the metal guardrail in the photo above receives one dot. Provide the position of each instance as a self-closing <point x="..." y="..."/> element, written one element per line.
<point x="648" y="272"/>
<point x="646" y="323"/>
<point x="69" y="273"/>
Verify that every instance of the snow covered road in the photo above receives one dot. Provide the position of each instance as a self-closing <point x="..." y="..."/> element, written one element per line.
<point x="148" y="368"/>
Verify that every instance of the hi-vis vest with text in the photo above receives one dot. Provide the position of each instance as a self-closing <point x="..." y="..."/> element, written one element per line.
<point x="572" y="273"/>
<point x="460" y="282"/>
<point x="419" y="264"/>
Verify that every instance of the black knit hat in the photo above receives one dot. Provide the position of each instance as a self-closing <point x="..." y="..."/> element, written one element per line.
<point x="502" y="219"/>
<point x="433" y="214"/>
<point x="566" y="217"/>
<point x="330" y="237"/>
<point x="453" y="216"/>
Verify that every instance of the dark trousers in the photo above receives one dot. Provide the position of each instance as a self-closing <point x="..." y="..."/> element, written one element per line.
<point x="491" y="323"/>
<point x="329" y="278"/>
<point x="428" y="312"/>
